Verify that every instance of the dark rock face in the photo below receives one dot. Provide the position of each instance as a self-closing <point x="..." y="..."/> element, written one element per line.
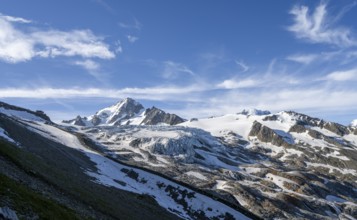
<point x="271" y="118"/>
<point x="310" y="121"/>
<point x="336" y="128"/>
<point x="254" y="112"/>
<point x="154" y="116"/>
<point x="298" y="128"/>
<point x="96" y="120"/>
<point x="315" y="134"/>
<point x="77" y="121"/>
<point x="306" y="120"/>
<point x="266" y="134"/>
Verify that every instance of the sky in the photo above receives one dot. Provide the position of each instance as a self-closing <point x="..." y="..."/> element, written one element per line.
<point x="193" y="58"/>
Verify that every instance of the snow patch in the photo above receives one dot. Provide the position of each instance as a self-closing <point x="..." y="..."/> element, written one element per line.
<point x="196" y="175"/>
<point x="332" y="168"/>
<point x="221" y="184"/>
<point x="4" y="135"/>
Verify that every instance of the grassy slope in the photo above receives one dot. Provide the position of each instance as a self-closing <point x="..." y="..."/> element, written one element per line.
<point x="25" y="201"/>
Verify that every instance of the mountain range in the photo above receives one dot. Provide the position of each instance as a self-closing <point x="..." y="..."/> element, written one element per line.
<point x="128" y="162"/>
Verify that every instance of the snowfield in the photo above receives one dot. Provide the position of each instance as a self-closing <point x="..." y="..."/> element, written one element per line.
<point x="23" y="115"/>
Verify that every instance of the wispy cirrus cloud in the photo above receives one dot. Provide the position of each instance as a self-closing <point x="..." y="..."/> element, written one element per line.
<point x="133" y="25"/>
<point x="149" y="93"/>
<point x="242" y="65"/>
<point x="118" y="47"/>
<point x="18" y="45"/>
<point x="105" y="5"/>
<point x="319" y="27"/>
<point x="172" y="70"/>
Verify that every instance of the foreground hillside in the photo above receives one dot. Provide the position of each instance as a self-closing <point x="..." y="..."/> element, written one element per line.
<point x="65" y="170"/>
<point x="127" y="162"/>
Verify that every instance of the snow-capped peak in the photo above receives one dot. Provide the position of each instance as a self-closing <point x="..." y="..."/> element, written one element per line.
<point x="354" y="123"/>
<point x="127" y="112"/>
<point x="124" y="109"/>
<point x="127" y="105"/>
<point x="254" y="111"/>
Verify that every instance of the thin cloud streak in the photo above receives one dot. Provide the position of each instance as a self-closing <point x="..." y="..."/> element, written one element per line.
<point x="237" y="84"/>
<point x="172" y="70"/>
<point x="242" y="65"/>
<point x="150" y="93"/>
<point x="303" y="58"/>
<point x="15" y="19"/>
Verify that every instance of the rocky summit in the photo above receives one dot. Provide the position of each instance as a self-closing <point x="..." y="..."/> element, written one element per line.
<point x="128" y="162"/>
<point x="127" y="112"/>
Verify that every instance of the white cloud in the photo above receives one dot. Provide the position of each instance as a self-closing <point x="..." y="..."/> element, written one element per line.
<point x="238" y="84"/>
<point x="19" y="46"/>
<point x="74" y="43"/>
<point x="89" y="65"/>
<point x="132" y="38"/>
<point x="347" y="75"/>
<point x="303" y="58"/>
<point x="319" y="28"/>
<point x="14" y="45"/>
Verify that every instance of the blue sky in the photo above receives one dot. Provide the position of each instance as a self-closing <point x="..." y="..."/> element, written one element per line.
<point x="194" y="58"/>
